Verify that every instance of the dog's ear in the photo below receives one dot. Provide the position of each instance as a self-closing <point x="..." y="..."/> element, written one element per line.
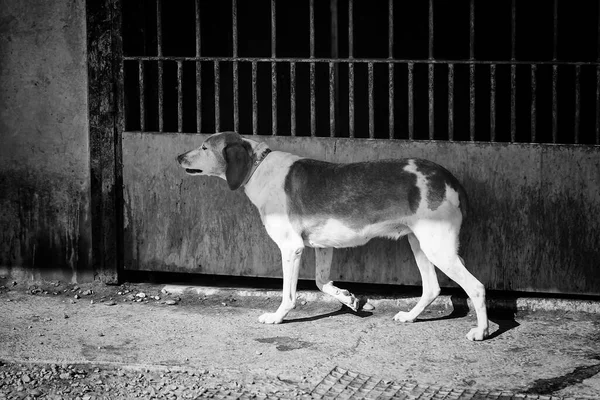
<point x="238" y="162"/>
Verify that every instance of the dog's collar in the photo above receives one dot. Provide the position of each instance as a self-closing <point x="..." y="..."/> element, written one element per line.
<point x="261" y="156"/>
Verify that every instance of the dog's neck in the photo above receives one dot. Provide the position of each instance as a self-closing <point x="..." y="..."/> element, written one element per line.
<point x="261" y="151"/>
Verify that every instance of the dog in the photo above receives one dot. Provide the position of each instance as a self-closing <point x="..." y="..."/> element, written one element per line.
<point x="304" y="202"/>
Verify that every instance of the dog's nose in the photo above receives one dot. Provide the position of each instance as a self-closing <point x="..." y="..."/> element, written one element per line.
<point x="181" y="158"/>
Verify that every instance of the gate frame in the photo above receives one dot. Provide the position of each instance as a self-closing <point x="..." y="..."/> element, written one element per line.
<point x="105" y="106"/>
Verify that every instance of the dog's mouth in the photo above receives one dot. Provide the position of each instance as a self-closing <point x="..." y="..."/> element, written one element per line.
<point x="193" y="171"/>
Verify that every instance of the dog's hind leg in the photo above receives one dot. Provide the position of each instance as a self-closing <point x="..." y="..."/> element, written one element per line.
<point x="290" y="259"/>
<point x="440" y="244"/>
<point x="431" y="287"/>
<point x="323" y="267"/>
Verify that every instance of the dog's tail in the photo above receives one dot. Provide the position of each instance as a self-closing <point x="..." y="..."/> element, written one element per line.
<point x="463" y="200"/>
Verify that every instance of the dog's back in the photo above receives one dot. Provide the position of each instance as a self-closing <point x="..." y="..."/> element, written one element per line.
<point x="343" y="205"/>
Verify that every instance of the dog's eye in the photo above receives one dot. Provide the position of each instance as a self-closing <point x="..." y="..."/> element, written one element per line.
<point x="204" y="147"/>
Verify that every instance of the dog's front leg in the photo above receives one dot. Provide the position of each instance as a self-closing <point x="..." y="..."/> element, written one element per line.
<point x="323" y="267"/>
<point x="290" y="259"/>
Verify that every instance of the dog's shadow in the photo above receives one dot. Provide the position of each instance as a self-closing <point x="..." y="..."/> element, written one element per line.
<point x="504" y="317"/>
<point x="343" y="310"/>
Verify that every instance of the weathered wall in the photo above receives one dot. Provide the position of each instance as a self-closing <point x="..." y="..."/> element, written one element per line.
<point x="44" y="156"/>
<point x="532" y="223"/>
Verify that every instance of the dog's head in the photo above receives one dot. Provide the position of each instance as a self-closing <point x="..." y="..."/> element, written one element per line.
<point x="226" y="155"/>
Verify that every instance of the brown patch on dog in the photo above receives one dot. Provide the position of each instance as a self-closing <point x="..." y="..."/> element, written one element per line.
<point x="437" y="178"/>
<point x="358" y="193"/>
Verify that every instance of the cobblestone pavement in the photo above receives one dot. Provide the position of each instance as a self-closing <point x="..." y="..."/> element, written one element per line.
<point x="63" y="341"/>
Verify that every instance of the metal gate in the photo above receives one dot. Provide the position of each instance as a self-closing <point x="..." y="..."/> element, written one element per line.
<point x="518" y="121"/>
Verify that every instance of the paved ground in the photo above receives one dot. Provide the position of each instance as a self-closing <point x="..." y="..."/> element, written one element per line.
<point x="60" y="341"/>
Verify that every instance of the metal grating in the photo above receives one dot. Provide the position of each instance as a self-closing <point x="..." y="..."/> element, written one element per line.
<point x="550" y="100"/>
<point x="342" y="384"/>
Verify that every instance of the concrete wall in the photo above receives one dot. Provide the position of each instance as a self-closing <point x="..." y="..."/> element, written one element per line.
<point x="44" y="155"/>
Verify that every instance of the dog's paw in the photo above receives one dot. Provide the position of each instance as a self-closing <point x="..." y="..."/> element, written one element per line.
<point x="477" y="334"/>
<point x="353" y="303"/>
<point x="403" y="316"/>
<point x="270" y="318"/>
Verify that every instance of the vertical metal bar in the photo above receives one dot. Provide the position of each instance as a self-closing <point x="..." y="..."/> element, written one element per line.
<point x="472" y="70"/>
<point x="492" y="102"/>
<point x="334" y="33"/>
<point x="554" y="104"/>
<point x="450" y="102"/>
<point x="179" y="96"/>
<point x="555" y="32"/>
<point x="472" y="102"/>
<point x="161" y="98"/>
<point x="331" y="100"/>
<point x="313" y="101"/>
<point x="159" y="40"/>
<point x="411" y="109"/>
<point x="555" y="75"/>
<point x="293" y="98"/>
<point x="236" y="93"/>
<point x="577" y="102"/>
<point x="430" y="29"/>
<point x="350" y="28"/>
<point x="472" y="30"/>
<point x="217" y="97"/>
<point x="533" y="102"/>
<point x="159" y="52"/>
<point x="274" y="98"/>
<point x="254" y="99"/>
<point x="273" y="29"/>
<point x="431" y="102"/>
<point x="513" y="80"/>
<point x="351" y="68"/>
<point x="390" y="29"/>
<point x="273" y="69"/>
<point x="351" y="99"/>
<point x="513" y="30"/>
<point x="142" y="96"/>
<point x="371" y="102"/>
<point x="598" y="82"/>
<point x="391" y="68"/>
<point x="198" y="71"/>
<point x="513" y="103"/>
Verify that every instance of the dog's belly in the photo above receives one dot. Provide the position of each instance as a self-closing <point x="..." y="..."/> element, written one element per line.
<point x="338" y="234"/>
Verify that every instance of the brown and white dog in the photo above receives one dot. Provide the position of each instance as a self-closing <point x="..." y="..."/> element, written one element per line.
<point x="304" y="202"/>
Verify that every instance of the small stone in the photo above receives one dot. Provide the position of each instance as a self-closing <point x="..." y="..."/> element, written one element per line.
<point x="76" y="288"/>
<point x="66" y="316"/>
<point x="258" y="353"/>
<point x="110" y="303"/>
<point x="77" y="297"/>
<point x="156" y="297"/>
<point x="25" y="378"/>
<point x="170" y="302"/>
<point x="92" y="301"/>
<point x="14" y="283"/>
<point x="224" y="304"/>
<point x="87" y="292"/>
<point x="119" y="293"/>
<point x="65" y="375"/>
<point x="141" y="295"/>
<point x="368" y="307"/>
<point x="303" y="302"/>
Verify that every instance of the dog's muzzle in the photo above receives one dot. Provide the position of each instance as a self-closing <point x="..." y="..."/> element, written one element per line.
<point x="181" y="159"/>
